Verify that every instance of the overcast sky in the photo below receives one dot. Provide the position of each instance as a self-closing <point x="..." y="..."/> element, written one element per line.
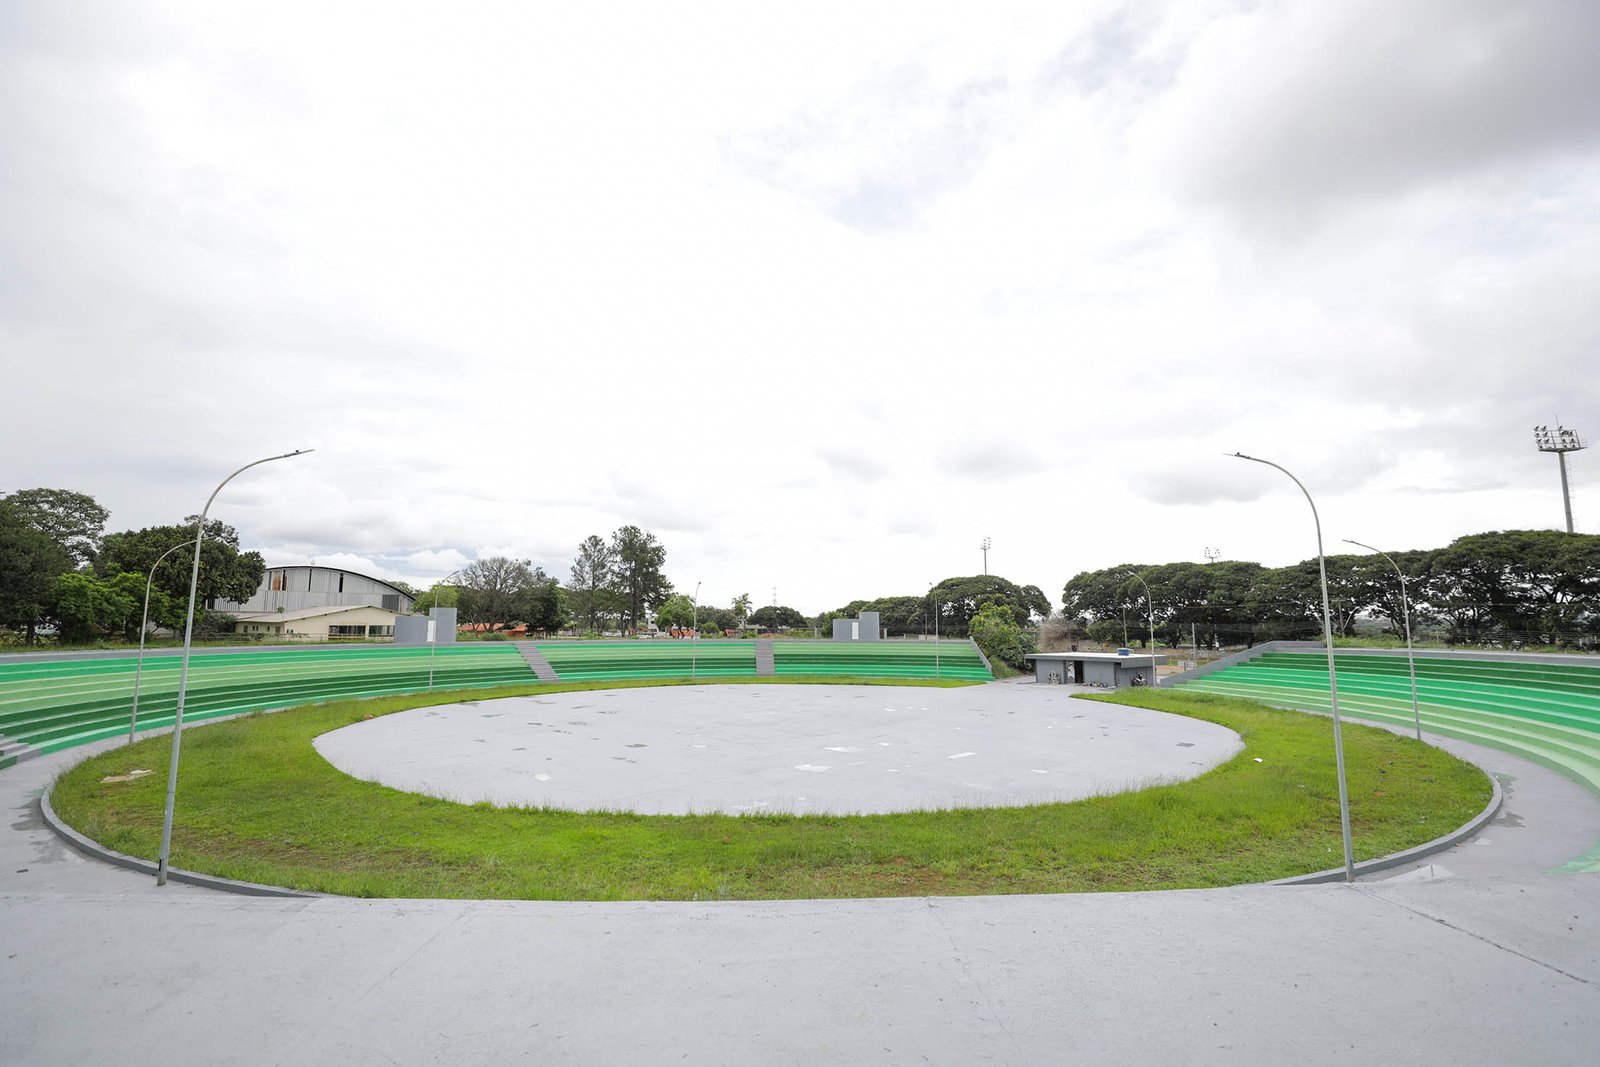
<point x="821" y="294"/>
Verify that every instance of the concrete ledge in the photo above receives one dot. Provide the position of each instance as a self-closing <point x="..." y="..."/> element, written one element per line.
<point x="1397" y="859"/>
<point x="133" y="863"/>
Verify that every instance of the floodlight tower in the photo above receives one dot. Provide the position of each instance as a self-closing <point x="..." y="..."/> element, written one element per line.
<point x="1213" y="554"/>
<point x="987" y="544"/>
<point x="1560" y="441"/>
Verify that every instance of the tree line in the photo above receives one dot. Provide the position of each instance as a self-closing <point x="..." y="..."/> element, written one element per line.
<point x="1512" y="587"/>
<point x="949" y="607"/>
<point x="60" y="570"/>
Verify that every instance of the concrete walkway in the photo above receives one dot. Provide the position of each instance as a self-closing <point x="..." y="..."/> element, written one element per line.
<point x="1477" y="957"/>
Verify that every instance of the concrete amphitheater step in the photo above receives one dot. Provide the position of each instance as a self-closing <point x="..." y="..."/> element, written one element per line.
<point x="540" y="665"/>
<point x="765" y="664"/>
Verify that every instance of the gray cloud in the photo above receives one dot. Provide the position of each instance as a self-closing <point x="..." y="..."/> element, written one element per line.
<point x="1377" y="99"/>
<point x="853" y="465"/>
<point x="991" y="461"/>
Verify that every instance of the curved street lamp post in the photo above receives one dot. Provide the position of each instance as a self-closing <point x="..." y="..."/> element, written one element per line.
<point x="133" y="719"/>
<point x="183" y="672"/>
<point x="1333" y="684"/>
<point x="1405" y="613"/>
<point x="694" y="637"/>
<point x="1150" y="602"/>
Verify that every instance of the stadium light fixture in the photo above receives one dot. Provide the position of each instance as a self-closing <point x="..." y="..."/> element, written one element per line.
<point x="987" y="544"/>
<point x="1333" y="683"/>
<point x="183" y="671"/>
<point x="138" y="671"/>
<point x="1405" y="613"/>
<point x="1560" y="441"/>
<point x="1150" y="602"/>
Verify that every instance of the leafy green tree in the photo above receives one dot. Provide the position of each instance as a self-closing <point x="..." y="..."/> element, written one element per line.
<point x="782" y="617"/>
<point x="497" y="592"/>
<point x="675" y="613"/>
<point x="437" y="595"/>
<point x="958" y="599"/>
<point x="637" y="577"/>
<point x="901" y="615"/>
<point x="1520" y="585"/>
<point x="86" y="607"/>
<point x="590" y="586"/>
<point x="741" y="610"/>
<point x="547" y="610"/>
<point x="225" y="572"/>
<point x="995" y="629"/>
<point x="72" y="520"/>
<point x="1096" y="596"/>
<point x="30" y="562"/>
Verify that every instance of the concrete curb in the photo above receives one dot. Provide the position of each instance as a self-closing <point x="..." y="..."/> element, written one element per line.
<point x="133" y="863"/>
<point x="1397" y="859"/>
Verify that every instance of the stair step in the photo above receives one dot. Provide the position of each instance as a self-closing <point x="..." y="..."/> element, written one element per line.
<point x="540" y="665"/>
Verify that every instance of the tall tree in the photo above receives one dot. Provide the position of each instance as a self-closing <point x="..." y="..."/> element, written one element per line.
<point x="225" y="572"/>
<point x="637" y="577"/>
<point x="677" y="612"/>
<point x="957" y="600"/>
<point x="781" y="617"/>
<point x="30" y="562"/>
<point x="1526" y="585"/>
<point x="741" y="609"/>
<point x="547" y="606"/>
<point x="592" y="574"/>
<point x="497" y="591"/>
<point x="995" y="630"/>
<point x="72" y="520"/>
<point x="87" y="607"/>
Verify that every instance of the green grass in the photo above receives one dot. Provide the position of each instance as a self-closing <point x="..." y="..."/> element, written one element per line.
<point x="257" y="802"/>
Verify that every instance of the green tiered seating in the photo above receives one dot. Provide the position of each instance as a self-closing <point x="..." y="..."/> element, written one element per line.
<point x="1549" y="713"/>
<point x="881" y="659"/>
<point x="578" y="661"/>
<point x="1552" y="712"/>
<point x="46" y="706"/>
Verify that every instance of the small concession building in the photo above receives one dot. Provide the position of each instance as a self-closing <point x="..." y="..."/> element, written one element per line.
<point x="356" y="622"/>
<point x="1111" y="669"/>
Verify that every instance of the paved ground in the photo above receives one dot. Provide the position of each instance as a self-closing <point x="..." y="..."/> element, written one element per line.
<point x="778" y="748"/>
<point x="1476" y="958"/>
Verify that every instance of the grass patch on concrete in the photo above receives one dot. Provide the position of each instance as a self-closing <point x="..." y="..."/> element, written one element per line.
<point x="257" y="802"/>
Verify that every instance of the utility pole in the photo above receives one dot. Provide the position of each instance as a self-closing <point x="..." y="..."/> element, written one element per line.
<point x="1560" y="441"/>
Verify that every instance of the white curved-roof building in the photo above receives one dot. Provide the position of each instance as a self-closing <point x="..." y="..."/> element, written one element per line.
<point x="299" y="588"/>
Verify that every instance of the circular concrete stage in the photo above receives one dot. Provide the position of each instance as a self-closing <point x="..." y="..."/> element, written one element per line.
<point x="746" y="749"/>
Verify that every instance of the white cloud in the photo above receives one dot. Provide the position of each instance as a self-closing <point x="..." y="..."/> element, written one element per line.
<point x="822" y="296"/>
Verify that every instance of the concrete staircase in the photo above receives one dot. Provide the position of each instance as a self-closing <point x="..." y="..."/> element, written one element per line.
<point x="536" y="660"/>
<point x="13" y="751"/>
<point x="764" y="659"/>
